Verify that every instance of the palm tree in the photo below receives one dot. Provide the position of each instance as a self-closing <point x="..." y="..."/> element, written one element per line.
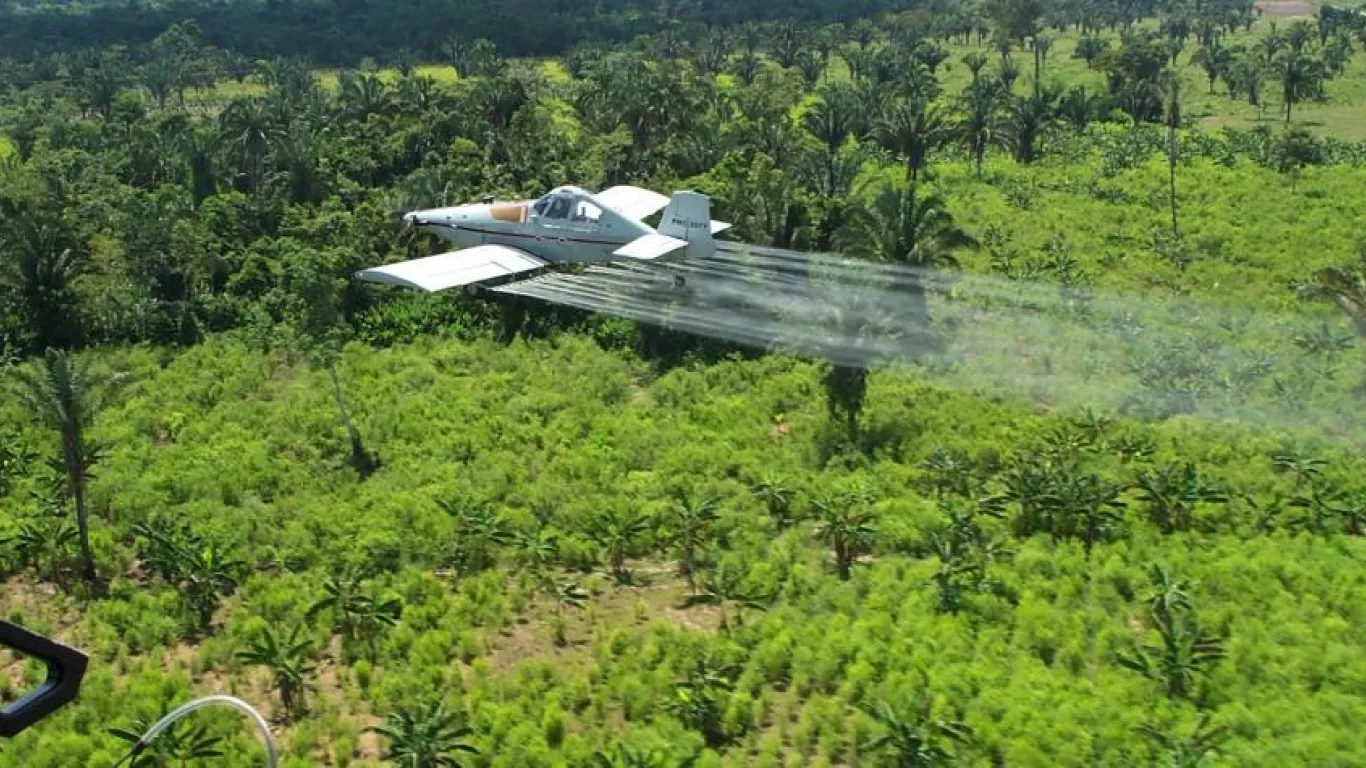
<point x="179" y="744"/>
<point x="1326" y="506"/>
<point x="1171" y="87"/>
<point x="618" y="534"/>
<point x="480" y="531"/>
<point x="45" y="259"/>
<point x="64" y="396"/>
<point x="1079" y="108"/>
<point x="1186" y="751"/>
<point x="357" y="614"/>
<point x="1243" y="77"/>
<point x="956" y="574"/>
<point x="912" y="129"/>
<point x="724" y="588"/>
<point x="1301" y="467"/>
<point x="247" y="128"/>
<point x="690" y="526"/>
<point x="975" y="62"/>
<point x="1184" y="654"/>
<point x="907" y="227"/>
<point x="564" y="594"/>
<point x="45" y="534"/>
<point x="207" y="573"/>
<point x="1008" y="73"/>
<point x="1085" y="506"/>
<point x="770" y="203"/>
<point x="978" y="127"/>
<point x="416" y="93"/>
<point x="811" y="63"/>
<point x="846" y="527"/>
<point x="700" y="697"/>
<point x="429" y="737"/>
<point x="1090" y="48"/>
<point x="832" y="120"/>
<point x="1168" y="595"/>
<point x="951" y="472"/>
<point x="1028" y="117"/>
<point x="537" y="550"/>
<point x="1179" y="661"/>
<point x="200" y="148"/>
<point x="299" y="150"/>
<point x="913" y="736"/>
<point x="1042" y="43"/>
<point x="788" y="40"/>
<point x="290" y="664"/>
<point x="1215" y="59"/>
<point x="1301" y="76"/>
<point x="777" y="498"/>
<point x="99" y="83"/>
<point x="1172" y="493"/>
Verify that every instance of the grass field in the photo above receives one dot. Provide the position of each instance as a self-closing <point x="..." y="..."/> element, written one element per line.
<point x="1343" y="115"/>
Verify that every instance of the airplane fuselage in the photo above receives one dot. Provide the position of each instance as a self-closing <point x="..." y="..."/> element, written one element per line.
<point x="566" y="240"/>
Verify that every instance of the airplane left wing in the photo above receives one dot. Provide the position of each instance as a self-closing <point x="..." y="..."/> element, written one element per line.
<point x="449" y="270"/>
<point x="632" y="202"/>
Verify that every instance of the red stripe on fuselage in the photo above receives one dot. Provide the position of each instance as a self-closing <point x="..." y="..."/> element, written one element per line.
<point x="497" y="233"/>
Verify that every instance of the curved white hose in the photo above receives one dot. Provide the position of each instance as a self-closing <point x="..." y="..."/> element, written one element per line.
<point x="185" y="709"/>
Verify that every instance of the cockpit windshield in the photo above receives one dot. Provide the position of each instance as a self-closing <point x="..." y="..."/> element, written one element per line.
<point x="568" y="206"/>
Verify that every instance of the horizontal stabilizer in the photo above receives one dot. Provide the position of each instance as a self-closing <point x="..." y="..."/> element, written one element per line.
<point x="449" y="270"/>
<point x="652" y="247"/>
<point x="717" y="227"/>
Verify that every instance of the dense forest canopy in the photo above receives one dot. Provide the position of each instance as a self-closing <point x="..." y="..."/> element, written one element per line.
<point x="336" y="33"/>
<point x="341" y="32"/>
<point x="442" y="529"/>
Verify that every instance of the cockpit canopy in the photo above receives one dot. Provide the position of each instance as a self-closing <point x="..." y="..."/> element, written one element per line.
<point x="567" y="204"/>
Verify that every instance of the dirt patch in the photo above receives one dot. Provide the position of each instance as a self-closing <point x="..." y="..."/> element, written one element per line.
<point x="1286" y="8"/>
<point x="41" y="600"/>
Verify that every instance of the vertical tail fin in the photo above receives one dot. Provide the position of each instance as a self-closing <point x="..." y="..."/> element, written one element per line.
<point x="688" y="217"/>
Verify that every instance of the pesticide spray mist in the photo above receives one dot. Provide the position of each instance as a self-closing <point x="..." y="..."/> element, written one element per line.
<point x="1058" y="345"/>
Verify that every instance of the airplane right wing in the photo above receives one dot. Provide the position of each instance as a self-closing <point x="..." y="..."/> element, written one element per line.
<point x="449" y="270"/>
<point x="632" y="202"/>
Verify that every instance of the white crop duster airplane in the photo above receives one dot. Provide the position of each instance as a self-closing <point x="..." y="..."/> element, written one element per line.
<point x="567" y="226"/>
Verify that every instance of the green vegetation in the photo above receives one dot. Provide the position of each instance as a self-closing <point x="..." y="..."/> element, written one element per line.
<point x="455" y="530"/>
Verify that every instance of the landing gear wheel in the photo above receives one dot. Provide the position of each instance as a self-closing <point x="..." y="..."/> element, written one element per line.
<point x="680" y="281"/>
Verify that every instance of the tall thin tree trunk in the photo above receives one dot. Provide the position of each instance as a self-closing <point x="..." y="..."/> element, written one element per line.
<point x="1173" y="119"/>
<point x="1171" y="179"/>
<point x="363" y="462"/>
<point x="73" y="457"/>
<point x="685" y="565"/>
<point x="1038" y="66"/>
<point x="83" y="527"/>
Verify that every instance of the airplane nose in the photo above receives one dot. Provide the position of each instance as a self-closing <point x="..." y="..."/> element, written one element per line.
<point x="461" y="214"/>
